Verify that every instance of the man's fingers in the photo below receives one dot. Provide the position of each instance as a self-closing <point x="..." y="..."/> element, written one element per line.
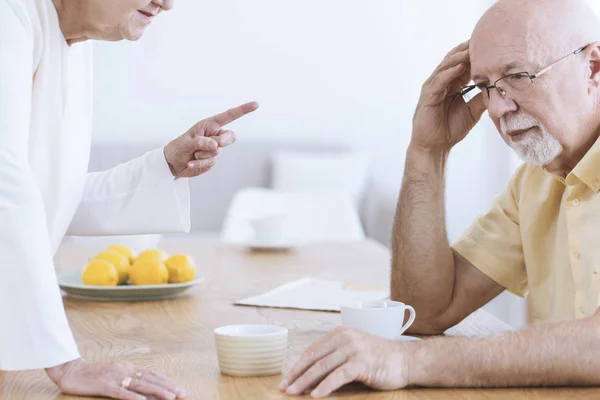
<point x="464" y="79"/>
<point x="460" y="48"/>
<point x="438" y="87"/>
<point x="343" y="375"/>
<point x="477" y="106"/>
<point x="450" y="62"/>
<point x="460" y="57"/>
<point x="225" y="138"/>
<point x="319" y="349"/>
<point x="232" y="114"/>
<point x="317" y="372"/>
<point x="440" y="80"/>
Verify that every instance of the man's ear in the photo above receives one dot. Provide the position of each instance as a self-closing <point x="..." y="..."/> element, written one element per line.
<point x="593" y="52"/>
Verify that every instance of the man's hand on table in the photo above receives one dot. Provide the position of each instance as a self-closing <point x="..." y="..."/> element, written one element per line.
<point x="195" y="152"/>
<point x="82" y="378"/>
<point x="346" y="355"/>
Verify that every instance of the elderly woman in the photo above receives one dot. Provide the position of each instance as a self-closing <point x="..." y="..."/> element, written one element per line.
<point x="46" y="192"/>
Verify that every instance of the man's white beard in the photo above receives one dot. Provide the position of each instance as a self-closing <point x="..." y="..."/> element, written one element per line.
<point x="534" y="148"/>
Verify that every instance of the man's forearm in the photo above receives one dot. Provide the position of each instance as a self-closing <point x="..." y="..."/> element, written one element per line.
<point x="422" y="260"/>
<point x="566" y="353"/>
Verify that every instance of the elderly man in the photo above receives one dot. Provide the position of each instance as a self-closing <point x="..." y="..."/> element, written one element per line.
<point x="537" y="64"/>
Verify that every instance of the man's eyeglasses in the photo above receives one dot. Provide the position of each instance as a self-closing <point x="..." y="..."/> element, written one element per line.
<point x="509" y="85"/>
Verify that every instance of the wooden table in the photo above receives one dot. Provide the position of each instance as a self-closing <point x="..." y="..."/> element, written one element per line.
<point x="176" y="336"/>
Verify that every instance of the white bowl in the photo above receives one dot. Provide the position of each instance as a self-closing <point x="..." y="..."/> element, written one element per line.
<point x="270" y="228"/>
<point x="251" y="350"/>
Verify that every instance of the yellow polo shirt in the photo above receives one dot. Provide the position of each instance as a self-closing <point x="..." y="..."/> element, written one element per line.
<point x="542" y="238"/>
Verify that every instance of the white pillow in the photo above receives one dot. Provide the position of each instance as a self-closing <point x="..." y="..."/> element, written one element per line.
<point x="345" y="172"/>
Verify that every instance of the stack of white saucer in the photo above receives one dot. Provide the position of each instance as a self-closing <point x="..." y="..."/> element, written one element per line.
<point x="251" y="350"/>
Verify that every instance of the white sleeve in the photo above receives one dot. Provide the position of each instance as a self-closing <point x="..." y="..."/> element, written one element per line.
<point x="137" y="197"/>
<point x="34" y="332"/>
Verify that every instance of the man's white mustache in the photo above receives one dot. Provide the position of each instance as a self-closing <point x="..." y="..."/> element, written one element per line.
<point x="517" y="122"/>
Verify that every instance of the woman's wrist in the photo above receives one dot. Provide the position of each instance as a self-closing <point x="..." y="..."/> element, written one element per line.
<point x="57" y="372"/>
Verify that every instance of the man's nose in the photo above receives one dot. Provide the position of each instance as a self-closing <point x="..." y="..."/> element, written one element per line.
<point x="499" y="105"/>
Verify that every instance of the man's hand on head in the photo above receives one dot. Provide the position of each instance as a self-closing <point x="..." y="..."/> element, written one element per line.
<point x="442" y="118"/>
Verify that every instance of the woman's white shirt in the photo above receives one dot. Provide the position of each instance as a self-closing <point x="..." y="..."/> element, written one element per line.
<point x="45" y="190"/>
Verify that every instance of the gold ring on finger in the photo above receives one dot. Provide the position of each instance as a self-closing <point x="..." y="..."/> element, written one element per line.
<point x="126" y="382"/>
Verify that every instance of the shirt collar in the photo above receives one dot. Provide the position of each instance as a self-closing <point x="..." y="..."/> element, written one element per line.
<point x="588" y="169"/>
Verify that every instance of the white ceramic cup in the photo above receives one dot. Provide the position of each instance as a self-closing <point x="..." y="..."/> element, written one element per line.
<point x="251" y="350"/>
<point x="383" y="318"/>
<point x="270" y="228"/>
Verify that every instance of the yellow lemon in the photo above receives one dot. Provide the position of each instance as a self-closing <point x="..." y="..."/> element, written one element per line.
<point x="152" y="254"/>
<point x="148" y="272"/>
<point x="120" y="261"/>
<point x="181" y="268"/>
<point x="127" y="251"/>
<point x="100" y="273"/>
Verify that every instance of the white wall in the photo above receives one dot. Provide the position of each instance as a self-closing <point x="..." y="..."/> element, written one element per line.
<point x="345" y="70"/>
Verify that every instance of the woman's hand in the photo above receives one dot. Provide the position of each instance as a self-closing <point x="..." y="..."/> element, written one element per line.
<point x="195" y="152"/>
<point x="117" y="380"/>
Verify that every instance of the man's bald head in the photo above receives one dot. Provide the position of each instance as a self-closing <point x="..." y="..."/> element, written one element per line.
<point x="559" y="111"/>
<point x="548" y="28"/>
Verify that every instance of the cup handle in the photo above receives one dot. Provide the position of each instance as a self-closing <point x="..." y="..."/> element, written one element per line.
<point x="411" y="319"/>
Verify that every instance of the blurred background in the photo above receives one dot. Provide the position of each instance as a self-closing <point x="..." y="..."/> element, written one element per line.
<point x="337" y="81"/>
<point x="347" y="72"/>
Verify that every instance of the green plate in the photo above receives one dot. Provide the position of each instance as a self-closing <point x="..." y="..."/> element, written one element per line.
<point x="71" y="283"/>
